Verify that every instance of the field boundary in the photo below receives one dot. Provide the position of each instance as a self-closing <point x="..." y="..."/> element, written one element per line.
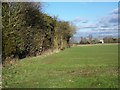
<point x="98" y="44"/>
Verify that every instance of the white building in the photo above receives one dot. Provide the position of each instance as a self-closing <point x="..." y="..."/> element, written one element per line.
<point x="101" y="41"/>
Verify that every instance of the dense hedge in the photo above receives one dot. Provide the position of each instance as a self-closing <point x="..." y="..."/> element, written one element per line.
<point x="27" y="31"/>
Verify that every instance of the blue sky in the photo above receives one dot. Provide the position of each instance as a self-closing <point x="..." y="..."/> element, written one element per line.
<point x="87" y="16"/>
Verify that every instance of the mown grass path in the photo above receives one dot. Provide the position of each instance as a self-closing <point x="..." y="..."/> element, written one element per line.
<point x="76" y="67"/>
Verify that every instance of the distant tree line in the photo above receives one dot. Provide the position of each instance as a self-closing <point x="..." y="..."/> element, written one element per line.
<point x="110" y="39"/>
<point x="27" y="31"/>
<point x="91" y="40"/>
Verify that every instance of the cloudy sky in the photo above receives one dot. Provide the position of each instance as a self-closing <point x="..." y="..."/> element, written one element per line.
<point x="96" y="18"/>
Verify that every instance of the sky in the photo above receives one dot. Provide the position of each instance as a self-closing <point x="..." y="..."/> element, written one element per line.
<point x="98" y="19"/>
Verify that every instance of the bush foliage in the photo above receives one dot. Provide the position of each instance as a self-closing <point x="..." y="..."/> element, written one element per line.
<point x="27" y="31"/>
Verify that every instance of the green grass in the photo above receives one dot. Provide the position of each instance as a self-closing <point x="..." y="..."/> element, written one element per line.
<point x="76" y="67"/>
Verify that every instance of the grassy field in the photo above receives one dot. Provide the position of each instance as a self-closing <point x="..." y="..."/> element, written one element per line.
<point x="76" y="67"/>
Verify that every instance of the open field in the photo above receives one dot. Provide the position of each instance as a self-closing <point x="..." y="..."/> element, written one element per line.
<point x="76" y="67"/>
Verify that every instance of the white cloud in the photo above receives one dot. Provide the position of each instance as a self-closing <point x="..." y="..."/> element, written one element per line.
<point x="110" y="19"/>
<point x="88" y="26"/>
<point x="80" y="20"/>
<point x="109" y="23"/>
<point x="105" y="26"/>
<point x="115" y="11"/>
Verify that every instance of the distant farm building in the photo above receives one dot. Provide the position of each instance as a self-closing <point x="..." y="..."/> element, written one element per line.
<point x="101" y="41"/>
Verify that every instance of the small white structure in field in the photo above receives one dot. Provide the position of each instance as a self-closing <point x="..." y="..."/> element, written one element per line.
<point x="101" y="41"/>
